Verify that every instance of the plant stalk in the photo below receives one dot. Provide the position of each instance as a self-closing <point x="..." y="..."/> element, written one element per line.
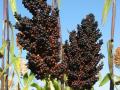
<point x="112" y="42"/>
<point x="3" y="39"/>
<point x="6" y="19"/>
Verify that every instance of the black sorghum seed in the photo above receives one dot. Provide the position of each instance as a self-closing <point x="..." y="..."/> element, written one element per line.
<point x="82" y="54"/>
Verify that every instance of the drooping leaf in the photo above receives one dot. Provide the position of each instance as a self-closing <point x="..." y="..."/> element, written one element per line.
<point x="106" y="9"/>
<point x="105" y="80"/>
<point x="36" y="86"/>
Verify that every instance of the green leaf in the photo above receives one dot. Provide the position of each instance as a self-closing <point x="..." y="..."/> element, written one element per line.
<point x="12" y="40"/>
<point x="1" y="70"/>
<point x="51" y="86"/>
<point x="15" y="60"/>
<point x="26" y="88"/>
<point x="13" y="6"/>
<point x="100" y="76"/>
<point x="105" y="80"/>
<point x="36" y="86"/>
<point x="59" y="2"/>
<point x="56" y="84"/>
<point x="25" y="78"/>
<point x="106" y="9"/>
<point x="67" y="88"/>
<point x="117" y="79"/>
<point x="110" y="56"/>
<point x="4" y="44"/>
<point x="30" y="78"/>
<point x="45" y="87"/>
<point x="92" y="88"/>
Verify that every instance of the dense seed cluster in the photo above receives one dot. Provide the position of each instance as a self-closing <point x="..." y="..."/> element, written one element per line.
<point x="117" y="57"/>
<point x="40" y="37"/>
<point x="82" y="54"/>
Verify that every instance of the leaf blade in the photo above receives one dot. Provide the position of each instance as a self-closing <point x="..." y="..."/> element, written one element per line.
<point x="106" y="9"/>
<point x="105" y="80"/>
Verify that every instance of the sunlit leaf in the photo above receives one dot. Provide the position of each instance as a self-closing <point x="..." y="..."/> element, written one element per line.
<point x="51" y="86"/>
<point x="117" y="79"/>
<point x="100" y="76"/>
<point x="106" y="9"/>
<point x="105" y="80"/>
<point x="26" y="88"/>
<point x="13" y="6"/>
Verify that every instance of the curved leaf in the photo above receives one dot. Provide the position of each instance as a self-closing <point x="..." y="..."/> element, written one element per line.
<point x="117" y="79"/>
<point x="105" y="80"/>
<point x="36" y="86"/>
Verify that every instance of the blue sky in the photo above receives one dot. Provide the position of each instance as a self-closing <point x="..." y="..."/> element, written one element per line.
<point x="71" y="14"/>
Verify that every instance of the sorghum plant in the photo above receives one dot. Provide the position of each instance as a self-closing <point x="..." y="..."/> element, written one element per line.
<point x="40" y="37"/>
<point x="82" y="54"/>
